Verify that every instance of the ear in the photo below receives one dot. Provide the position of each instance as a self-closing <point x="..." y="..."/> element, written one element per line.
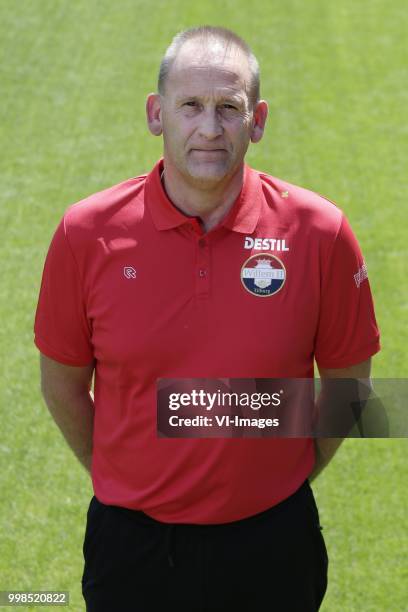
<point x="259" y="120"/>
<point x="153" y="114"/>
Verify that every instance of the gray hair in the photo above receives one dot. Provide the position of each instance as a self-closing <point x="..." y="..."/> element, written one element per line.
<point x="207" y="33"/>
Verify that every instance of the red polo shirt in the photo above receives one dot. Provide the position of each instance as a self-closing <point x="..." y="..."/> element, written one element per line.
<point x="134" y="284"/>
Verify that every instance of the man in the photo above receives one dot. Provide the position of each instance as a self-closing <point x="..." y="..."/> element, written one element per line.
<point x="146" y="280"/>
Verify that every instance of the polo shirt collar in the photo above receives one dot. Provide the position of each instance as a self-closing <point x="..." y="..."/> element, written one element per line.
<point x="243" y="216"/>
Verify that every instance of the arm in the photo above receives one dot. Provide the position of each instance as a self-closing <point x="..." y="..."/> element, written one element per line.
<point x="66" y="391"/>
<point x="326" y="447"/>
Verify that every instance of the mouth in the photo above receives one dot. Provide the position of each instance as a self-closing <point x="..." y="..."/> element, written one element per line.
<point x="218" y="150"/>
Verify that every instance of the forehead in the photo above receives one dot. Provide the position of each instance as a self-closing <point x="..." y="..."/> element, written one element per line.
<point x="208" y="69"/>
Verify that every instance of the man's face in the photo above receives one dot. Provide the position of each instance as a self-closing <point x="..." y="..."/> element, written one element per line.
<point x="206" y="113"/>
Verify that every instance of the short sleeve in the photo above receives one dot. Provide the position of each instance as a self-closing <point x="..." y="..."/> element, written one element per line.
<point x="347" y="330"/>
<point x="62" y="331"/>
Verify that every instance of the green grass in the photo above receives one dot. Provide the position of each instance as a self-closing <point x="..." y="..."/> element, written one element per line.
<point x="74" y="80"/>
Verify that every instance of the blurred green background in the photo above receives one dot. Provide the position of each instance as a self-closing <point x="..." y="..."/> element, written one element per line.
<point x="74" y="78"/>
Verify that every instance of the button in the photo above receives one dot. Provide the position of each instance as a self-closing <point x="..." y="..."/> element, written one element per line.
<point x="202" y="243"/>
<point x="202" y="273"/>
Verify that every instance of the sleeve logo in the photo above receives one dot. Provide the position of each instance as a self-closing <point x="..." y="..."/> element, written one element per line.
<point x="361" y="275"/>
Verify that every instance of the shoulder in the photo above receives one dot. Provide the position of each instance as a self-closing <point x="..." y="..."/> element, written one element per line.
<point x="301" y="208"/>
<point x="111" y="206"/>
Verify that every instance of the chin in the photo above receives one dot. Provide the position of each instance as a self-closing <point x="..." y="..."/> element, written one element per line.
<point x="209" y="174"/>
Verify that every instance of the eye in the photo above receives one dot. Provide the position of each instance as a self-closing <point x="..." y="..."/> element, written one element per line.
<point x="191" y="103"/>
<point x="229" y="106"/>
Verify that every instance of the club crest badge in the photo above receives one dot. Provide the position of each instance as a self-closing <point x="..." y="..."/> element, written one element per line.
<point x="263" y="275"/>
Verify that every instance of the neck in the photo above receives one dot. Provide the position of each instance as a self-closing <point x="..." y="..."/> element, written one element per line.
<point x="210" y="204"/>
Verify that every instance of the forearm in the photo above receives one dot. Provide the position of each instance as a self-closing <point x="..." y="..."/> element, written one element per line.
<point x="325" y="449"/>
<point x="74" y="415"/>
<point x="342" y="388"/>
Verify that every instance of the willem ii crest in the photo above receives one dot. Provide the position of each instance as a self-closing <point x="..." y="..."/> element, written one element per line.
<point x="263" y="275"/>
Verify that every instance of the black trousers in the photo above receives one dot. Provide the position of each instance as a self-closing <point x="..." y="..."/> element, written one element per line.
<point x="273" y="561"/>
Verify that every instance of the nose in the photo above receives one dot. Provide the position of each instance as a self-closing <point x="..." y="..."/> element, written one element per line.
<point x="210" y="125"/>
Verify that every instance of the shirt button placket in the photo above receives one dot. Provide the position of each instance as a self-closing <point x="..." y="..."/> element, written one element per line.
<point x="203" y="268"/>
